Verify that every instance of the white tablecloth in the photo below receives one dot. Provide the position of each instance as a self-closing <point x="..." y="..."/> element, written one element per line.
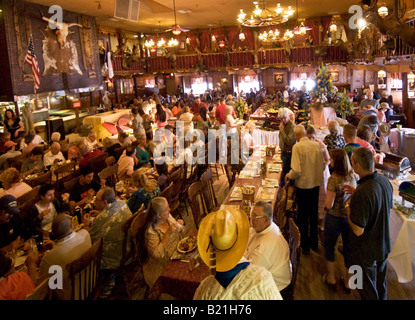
<point x="402" y="256"/>
<point x="402" y="235"/>
<point x="265" y="137"/>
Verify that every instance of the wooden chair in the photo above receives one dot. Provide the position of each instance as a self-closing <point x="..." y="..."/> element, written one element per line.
<point x="208" y="192"/>
<point x="167" y="193"/>
<point x="110" y="175"/>
<point x="69" y="184"/>
<point x="176" y="179"/>
<point x="230" y="175"/>
<point x="42" y="179"/>
<point x="97" y="163"/>
<point x="61" y="172"/>
<point x="84" y="273"/>
<point x="16" y="162"/>
<point x="197" y="202"/>
<point x="32" y="194"/>
<point x="41" y="292"/>
<point x="294" y="239"/>
<point x="126" y="230"/>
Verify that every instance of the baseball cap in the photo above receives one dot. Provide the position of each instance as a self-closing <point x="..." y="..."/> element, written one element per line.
<point x="9" y="144"/>
<point x="9" y="203"/>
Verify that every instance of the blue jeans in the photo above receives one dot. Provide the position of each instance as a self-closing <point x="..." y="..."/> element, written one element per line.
<point x="333" y="227"/>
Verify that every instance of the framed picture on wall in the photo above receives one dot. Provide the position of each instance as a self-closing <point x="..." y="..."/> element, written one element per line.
<point x="182" y="45"/>
<point x="160" y="52"/>
<point x="335" y="76"/>
<point x="279" y="78"/>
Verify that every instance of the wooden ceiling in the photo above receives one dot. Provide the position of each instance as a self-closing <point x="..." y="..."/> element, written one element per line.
<point x="158" y="15"/>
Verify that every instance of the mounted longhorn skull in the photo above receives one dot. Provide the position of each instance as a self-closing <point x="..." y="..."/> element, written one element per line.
<point x="391" y="25"/>
<point x="62" y="29"/>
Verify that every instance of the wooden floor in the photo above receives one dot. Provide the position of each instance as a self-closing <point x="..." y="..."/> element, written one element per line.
<point x="310" y="285"/>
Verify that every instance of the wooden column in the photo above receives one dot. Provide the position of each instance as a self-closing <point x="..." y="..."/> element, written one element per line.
<point x="117" y="97"/>
<point x="406" y="103"/>
<point x="135" y="87"/>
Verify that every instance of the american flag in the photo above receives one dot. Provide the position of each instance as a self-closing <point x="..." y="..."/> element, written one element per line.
<point x="31" y="60"/>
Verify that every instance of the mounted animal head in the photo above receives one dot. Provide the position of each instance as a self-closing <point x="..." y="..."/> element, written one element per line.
<point x="62" y="29"/>
<point x="392" y="24"/>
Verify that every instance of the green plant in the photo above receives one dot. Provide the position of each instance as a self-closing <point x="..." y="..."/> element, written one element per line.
<point x="241" y="107"/>
<point x="344" y="105"/>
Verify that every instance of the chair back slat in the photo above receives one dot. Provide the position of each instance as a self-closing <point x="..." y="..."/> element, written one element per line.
<point x="97" y="163"/>
<point x="294" y="240"/>
<point x="42" y="179"/>
<point x="197" y="202"/>
<point x="41" y="292"/>
<point x="110" y="175"/>
<point x="28" y="196"/>
<point x="84" y="273"/>
<point x="208" y="192"/>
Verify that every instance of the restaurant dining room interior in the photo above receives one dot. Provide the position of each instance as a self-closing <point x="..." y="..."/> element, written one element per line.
<point x="191" y="150"/>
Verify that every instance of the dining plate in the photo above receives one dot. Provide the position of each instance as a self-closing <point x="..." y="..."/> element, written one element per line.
<point x="187" y="244"/>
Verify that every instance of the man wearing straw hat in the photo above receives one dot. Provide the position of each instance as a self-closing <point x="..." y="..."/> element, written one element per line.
<point x="222" y="240"/>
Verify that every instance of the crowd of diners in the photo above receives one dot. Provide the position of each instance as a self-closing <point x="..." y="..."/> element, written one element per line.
<point x="338" y="193"/>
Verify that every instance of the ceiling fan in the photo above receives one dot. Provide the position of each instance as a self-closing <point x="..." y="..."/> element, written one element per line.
<point x="176" y="29"/>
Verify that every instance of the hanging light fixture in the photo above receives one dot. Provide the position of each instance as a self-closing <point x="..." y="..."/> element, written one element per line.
<point x="161" y="43"/>
<point x="383" y="11"/>
<point x="149" y="43"/>
<point x="172" y="42"/>
<point x="221" y="44"/>
<point x="241" y="36"/>
<point x="265" y="17"/>
<point x="270" y="36"/>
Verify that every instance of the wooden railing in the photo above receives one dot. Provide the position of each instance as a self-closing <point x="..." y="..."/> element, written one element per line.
<point x="244" y="59"/>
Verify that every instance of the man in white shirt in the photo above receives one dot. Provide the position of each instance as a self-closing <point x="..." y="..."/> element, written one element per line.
<point x="125" y="140"/>
<point x="69" y="247"/>
<point x="54" y="155"/>
<point x="307" y="167"/>
<point x="286" y="95"/>
<point x="126" y="163"/>
<point x="267" y="246"/>
<point x="36" y="140"/>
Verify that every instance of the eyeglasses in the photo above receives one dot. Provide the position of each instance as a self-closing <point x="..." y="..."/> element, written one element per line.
<point x="256" y="217"/>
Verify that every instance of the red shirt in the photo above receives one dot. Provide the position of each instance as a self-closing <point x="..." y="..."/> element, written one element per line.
<point x="16" y="286"/>
<point x="88" y="156"/>
<point x="196" y="107"/>
<point x="220" y="113"/>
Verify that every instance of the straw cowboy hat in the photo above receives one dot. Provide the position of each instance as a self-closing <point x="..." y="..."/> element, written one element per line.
<point x="384" y="129"/>
<point x="384" y="105"/>
<point x="222" y="239"/>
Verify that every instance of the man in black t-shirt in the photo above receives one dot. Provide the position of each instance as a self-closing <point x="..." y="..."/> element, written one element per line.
<point x="368" y="215"/>
<point x="83" y="191"/>
<point x="10" y="223"/>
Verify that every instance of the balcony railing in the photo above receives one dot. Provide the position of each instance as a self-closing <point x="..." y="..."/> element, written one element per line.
<point x="243" y="59"/>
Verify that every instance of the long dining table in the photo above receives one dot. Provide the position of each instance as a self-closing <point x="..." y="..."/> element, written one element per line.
<point x="266" y="183"/>
<point x="177" y="279"/>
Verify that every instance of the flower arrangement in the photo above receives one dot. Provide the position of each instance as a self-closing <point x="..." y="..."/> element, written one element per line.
<point x="324" y="82"/>
<point x="241" y="107"/>
<point x="344" y="104"/>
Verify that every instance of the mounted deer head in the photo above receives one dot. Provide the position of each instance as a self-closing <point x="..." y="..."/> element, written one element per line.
<point x="392" y="24"/>
<point x="62" y="29"/>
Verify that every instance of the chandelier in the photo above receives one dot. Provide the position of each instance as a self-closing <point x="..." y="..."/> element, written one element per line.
<point x="161" y="43"/>
<point x="270" y="36"/>
<point x="301" y="29"/>
<point x="265" y="17"/>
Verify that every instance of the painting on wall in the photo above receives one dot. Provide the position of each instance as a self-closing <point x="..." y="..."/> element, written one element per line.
<point x="279" y="78"/>
<point x="335" y="76"/>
